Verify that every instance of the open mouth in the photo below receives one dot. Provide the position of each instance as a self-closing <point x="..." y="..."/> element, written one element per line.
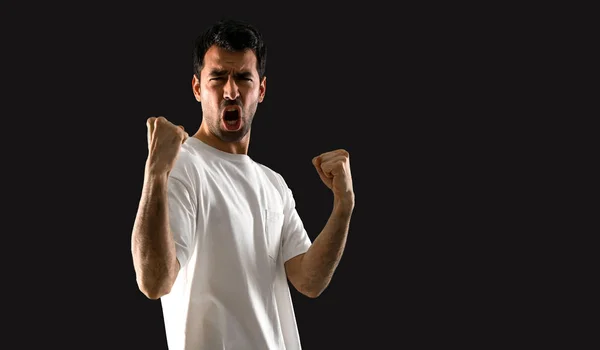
<point x="232" y="118"/>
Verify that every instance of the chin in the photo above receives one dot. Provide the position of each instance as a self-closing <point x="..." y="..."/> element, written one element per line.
<point x="233" y="136"/>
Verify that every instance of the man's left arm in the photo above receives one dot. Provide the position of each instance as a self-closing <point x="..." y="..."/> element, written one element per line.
<point x="310" y="273"/>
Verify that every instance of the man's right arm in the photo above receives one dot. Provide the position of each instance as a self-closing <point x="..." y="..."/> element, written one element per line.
<point x="153" y="247"/>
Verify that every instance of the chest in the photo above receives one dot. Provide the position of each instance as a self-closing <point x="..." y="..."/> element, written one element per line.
<point x="241" y="213"/>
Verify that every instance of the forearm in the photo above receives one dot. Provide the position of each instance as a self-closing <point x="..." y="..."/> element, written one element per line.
<point x="322" y="258"/>
<point x="153" y="247"/>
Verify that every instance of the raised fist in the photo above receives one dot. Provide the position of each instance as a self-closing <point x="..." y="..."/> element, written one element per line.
<point x="164" y="141"/>
<point x="334" y="170"/>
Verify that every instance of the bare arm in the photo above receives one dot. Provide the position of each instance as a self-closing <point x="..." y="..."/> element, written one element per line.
<point x="311" y="272"/>
<point x="152" y="244"/>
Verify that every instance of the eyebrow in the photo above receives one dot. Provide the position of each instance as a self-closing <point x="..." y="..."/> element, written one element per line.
<point x="221" y="72"/>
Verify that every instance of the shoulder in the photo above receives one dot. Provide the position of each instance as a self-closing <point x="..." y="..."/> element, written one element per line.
<point x="273" y="176"/>
<point x="278" y="182"/>
<point x="189" y="165"/>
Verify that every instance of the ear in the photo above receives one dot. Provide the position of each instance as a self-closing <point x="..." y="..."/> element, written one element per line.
<point x="196" y="88"/>
<point x="263" y="89"/>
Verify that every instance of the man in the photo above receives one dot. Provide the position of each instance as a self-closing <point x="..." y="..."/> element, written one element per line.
<point x="217" y="235"/>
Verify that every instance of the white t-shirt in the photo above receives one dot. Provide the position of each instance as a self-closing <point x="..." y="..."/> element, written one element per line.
<point x="235" y="224"/>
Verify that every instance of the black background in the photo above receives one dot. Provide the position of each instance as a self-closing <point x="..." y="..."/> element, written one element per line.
<point x="408" y="92"/>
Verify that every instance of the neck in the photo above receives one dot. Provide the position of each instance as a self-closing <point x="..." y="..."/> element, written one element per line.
<point x="238" y="147"/>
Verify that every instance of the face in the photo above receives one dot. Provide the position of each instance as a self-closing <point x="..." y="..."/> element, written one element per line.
<point x="230" y="91"/>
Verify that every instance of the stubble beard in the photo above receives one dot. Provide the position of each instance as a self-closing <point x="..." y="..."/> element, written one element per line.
<point x="216" y="127"/>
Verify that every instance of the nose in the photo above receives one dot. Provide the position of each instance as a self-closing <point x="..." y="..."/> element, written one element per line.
<point x="230" y="91"/>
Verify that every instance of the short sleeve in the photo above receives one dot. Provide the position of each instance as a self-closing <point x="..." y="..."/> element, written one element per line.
<point x="182" y="203"/>
<point x="295" y="239"/>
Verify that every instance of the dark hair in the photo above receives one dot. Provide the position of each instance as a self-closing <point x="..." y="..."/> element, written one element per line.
<point x="233" y="35"/>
